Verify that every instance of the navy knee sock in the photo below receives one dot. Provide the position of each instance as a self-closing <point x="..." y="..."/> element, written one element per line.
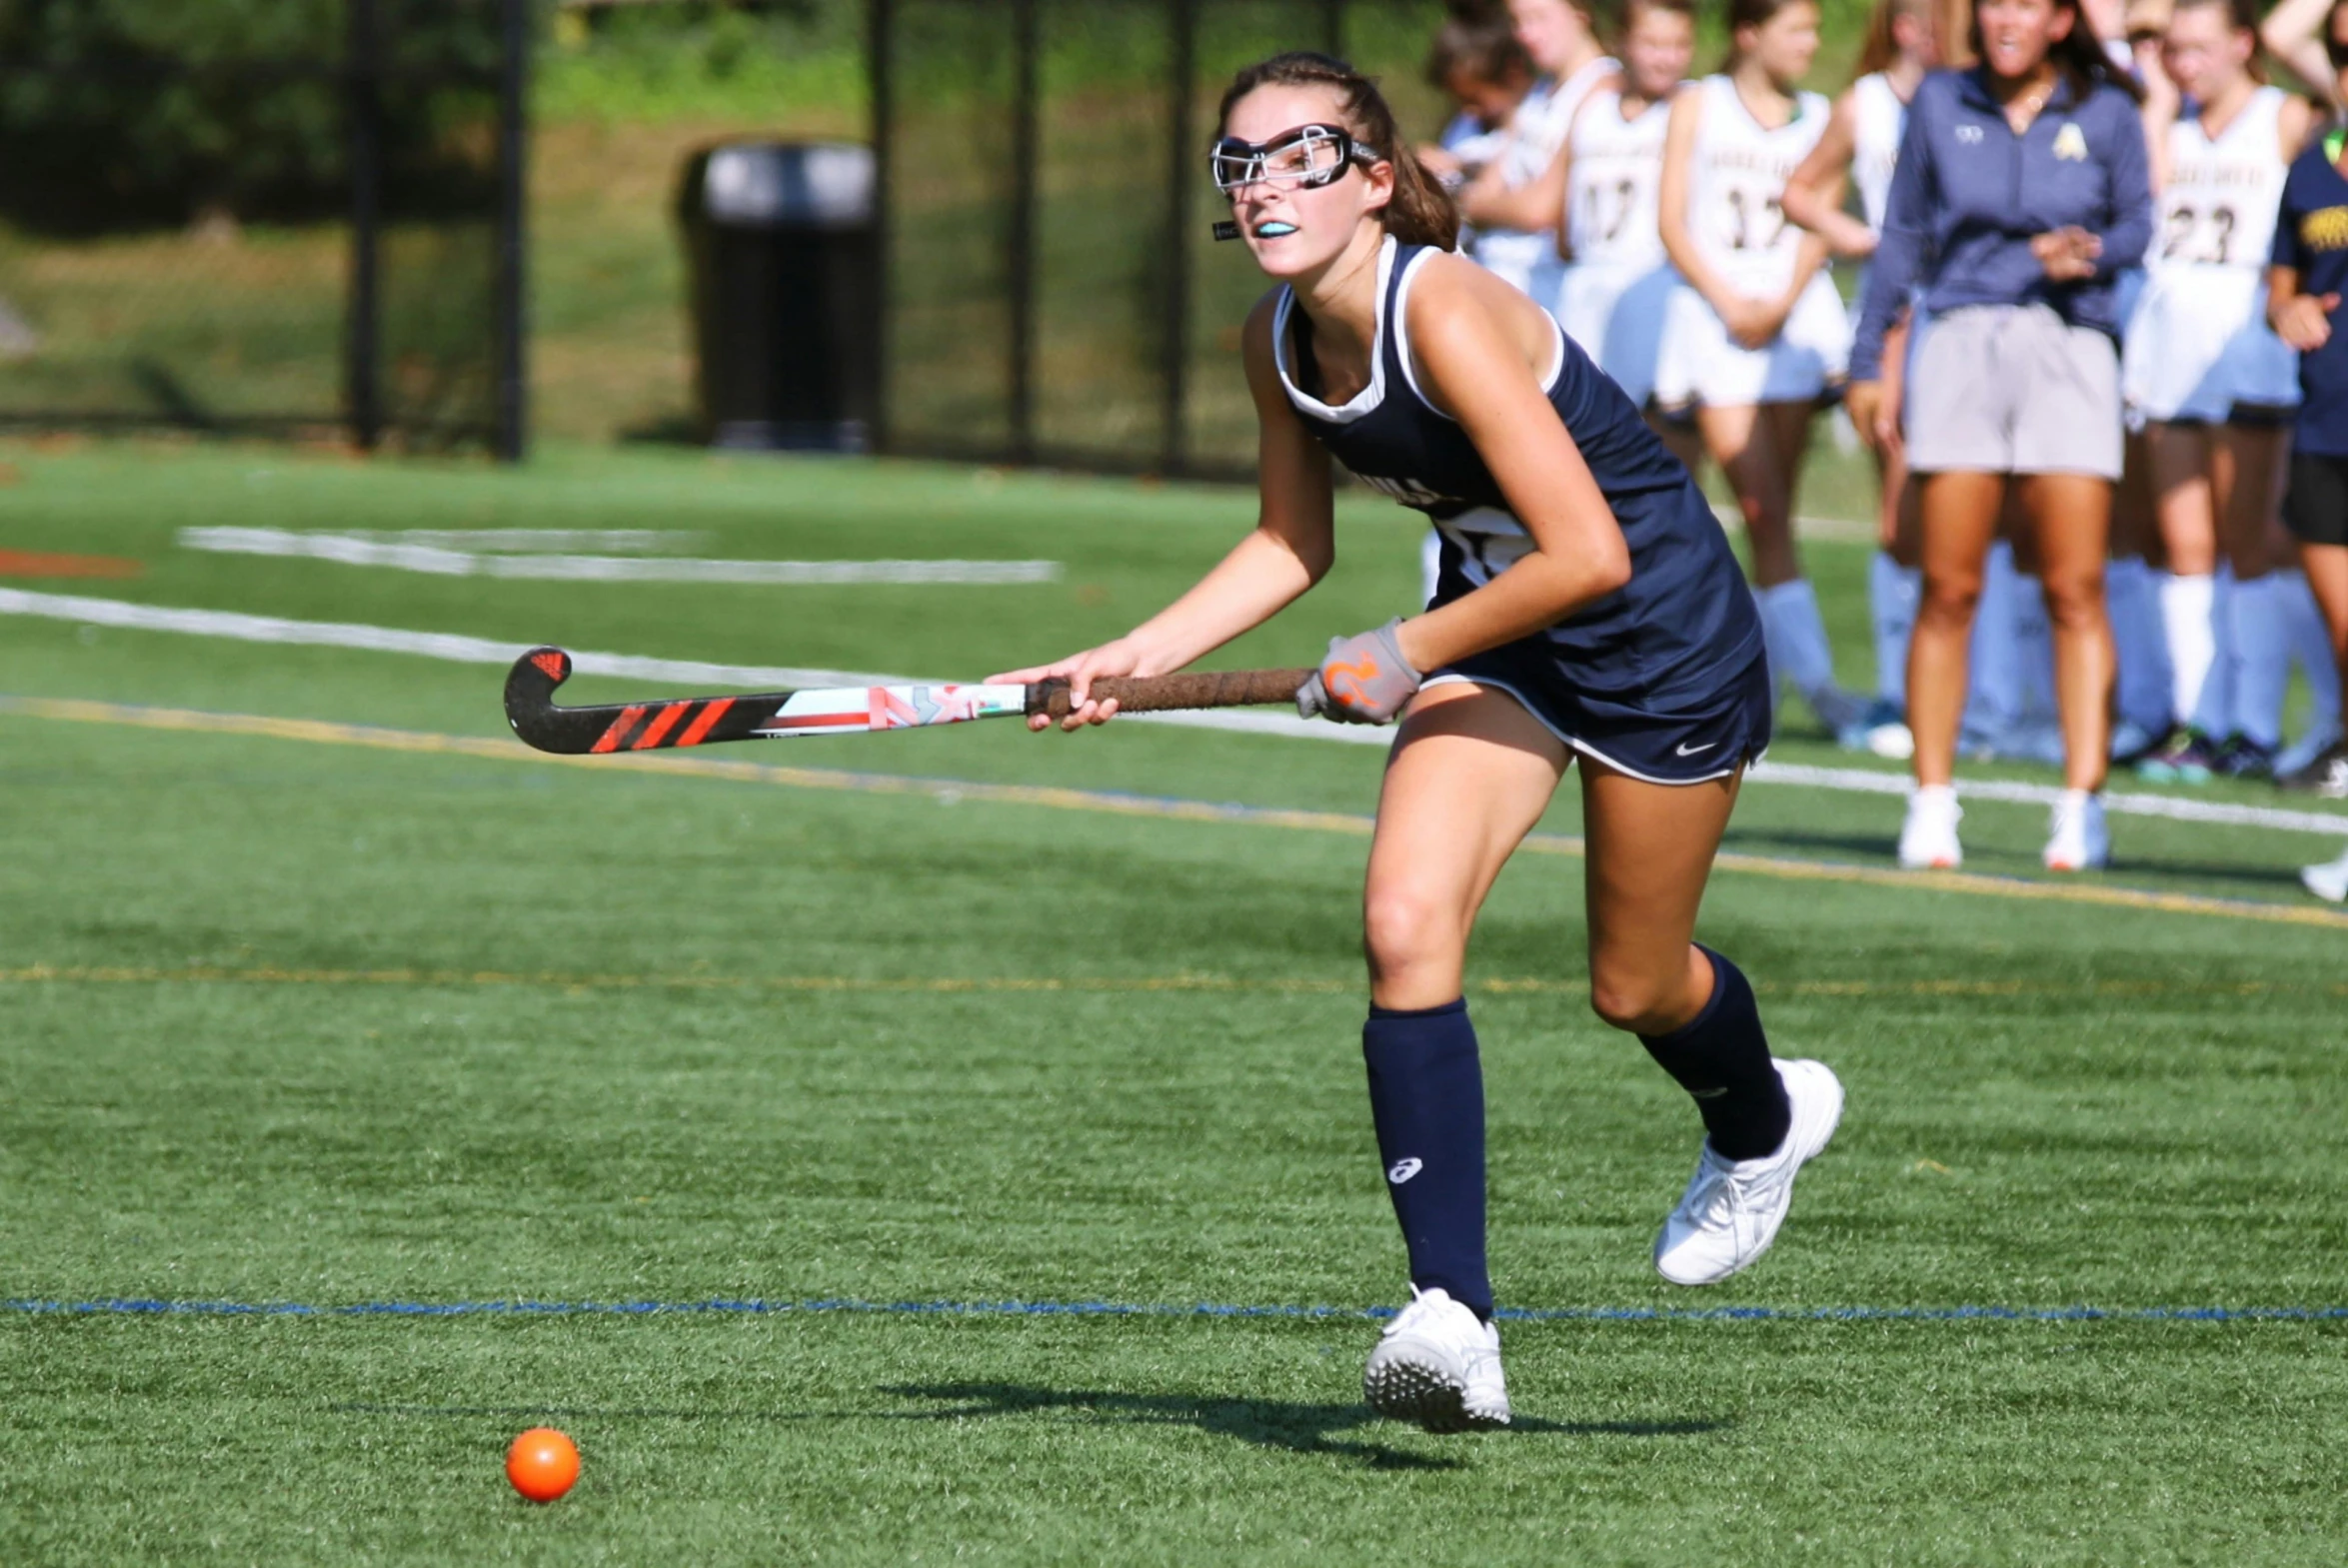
<point x="1426" y="1097"/>
<point x="1722" y="1058"/>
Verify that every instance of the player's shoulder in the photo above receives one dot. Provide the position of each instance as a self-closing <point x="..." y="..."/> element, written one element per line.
<point x="1689" y="98"/>
<point x="1451" y="298"/>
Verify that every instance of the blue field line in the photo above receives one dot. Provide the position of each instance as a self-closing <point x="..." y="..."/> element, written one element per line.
<point x="148" y="1306"/>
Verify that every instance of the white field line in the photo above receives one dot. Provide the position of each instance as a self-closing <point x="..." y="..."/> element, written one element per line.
<point x="537" y="541"/>
<point x="242" y="627"/>
<point x="385" y="640"/>
<point x="356" y="551"/>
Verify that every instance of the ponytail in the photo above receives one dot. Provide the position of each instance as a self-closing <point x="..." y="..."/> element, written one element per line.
<point x="1419" y="212"/>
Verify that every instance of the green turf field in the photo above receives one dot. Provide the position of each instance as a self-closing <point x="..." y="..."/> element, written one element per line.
<point x="326" y="995"/>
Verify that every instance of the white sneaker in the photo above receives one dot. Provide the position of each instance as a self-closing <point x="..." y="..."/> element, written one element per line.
<point x="2076" y="840"/>
<point x="1929" y="839"/>
<point x="2328" y="882"/>
<point x="1437" y="1364"/>
<point x="1732" y="1210"/>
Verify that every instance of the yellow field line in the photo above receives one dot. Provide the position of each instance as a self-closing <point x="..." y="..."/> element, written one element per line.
<point x="1054" y="797"/>
<point x="272" y="975"/>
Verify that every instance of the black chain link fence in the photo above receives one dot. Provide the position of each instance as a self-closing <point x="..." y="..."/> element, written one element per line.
<point x="1053" y="293"/>
<point x="297" y="215"/>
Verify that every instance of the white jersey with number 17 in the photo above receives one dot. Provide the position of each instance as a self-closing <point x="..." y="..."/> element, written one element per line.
<point x="1616" y="168"/>
<point x="1737" y="186"/>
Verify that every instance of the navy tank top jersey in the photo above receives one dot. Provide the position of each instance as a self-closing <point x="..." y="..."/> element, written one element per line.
<point x="1671" y="639"/>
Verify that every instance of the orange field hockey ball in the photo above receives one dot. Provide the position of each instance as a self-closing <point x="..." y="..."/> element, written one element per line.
<point x="542" y="1464"/>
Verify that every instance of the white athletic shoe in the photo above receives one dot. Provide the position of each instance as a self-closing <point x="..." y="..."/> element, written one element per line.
<point x="2328" y="882"/>
<point x="1437" y="1364"/>
<point x="2076" y="840"/>
<point x="1929" y="839"/>
<point x="1732" y="1210"/>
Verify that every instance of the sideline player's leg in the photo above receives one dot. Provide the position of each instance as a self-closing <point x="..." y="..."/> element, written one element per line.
<point x="1470" y="773"/>
<point x="2132" y="597"/>
<point x="2248" y="457"/>
<point x="1759" y="448"/>
<point x="1961" y="520"/>
<point x="2070" y="516"/>
<point x="1650" y="850"/>
<point x="2316" y="509"/>
<point x="1895" y="579"/>
<point x="2327" y="575"/>
<point x="2186" y="507"/>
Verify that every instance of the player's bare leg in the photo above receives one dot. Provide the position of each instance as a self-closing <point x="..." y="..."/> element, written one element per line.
<point x="1650" y="850"/>
<point x="1746" y="442"/>
<point x="1759" y="449"/>
<point x="1470" y="773"/>
<point x="2187" y="507"/>
<point x="1961" y="520"/>
<point x="1469" y="776"/>
<point x="1960" y="515"/>
<point x="2071" y="516"/>
<point x="2247" y="465"/>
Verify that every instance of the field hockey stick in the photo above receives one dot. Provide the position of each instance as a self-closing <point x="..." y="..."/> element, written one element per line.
<point x="842" y="709"/>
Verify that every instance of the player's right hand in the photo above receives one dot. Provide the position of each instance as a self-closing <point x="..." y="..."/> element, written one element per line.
<point x="1863" y="400"/>
<point x="1080" y="671"/>
<point x="2068" y="254"/>
<point x="2304" y="320"/>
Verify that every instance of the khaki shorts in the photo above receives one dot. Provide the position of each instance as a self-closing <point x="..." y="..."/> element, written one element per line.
<point x="2012" y="389"/>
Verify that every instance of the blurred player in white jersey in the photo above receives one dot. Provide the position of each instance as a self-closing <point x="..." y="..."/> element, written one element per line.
<point x="1755" y="334"/>
<point x="1617" y="278"/>
<point x="1862" y="136"/>
<point x="1481" y="66"/>
<point x="1484" y="71"/>
<point x="2217" y="385"/>
<point x="1564" y="47"/>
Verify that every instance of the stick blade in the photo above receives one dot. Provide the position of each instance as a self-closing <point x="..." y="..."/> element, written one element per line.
<point x="531" y="709"/>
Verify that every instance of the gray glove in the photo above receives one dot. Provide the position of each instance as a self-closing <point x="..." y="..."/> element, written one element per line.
<point x="1364" y="681"/>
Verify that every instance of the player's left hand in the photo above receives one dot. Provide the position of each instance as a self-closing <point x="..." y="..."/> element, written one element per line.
<point x="1364" y="681"/>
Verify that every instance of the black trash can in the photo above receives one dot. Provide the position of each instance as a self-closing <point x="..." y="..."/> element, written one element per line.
<point x="786" y="293"/>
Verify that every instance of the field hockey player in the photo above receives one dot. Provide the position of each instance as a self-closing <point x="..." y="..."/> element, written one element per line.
<point x="2015" y="382"/>
<point x="1862" y="140"/>
<point x="2217" y="387"/>
<point x="1590" y="607"/>
<point x="1757" y="332"/>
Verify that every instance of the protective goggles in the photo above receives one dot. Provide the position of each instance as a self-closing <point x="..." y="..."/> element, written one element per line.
<point x="1304" y="159"/>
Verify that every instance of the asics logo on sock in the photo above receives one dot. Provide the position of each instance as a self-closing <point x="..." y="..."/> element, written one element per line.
<point x="1709" y="1093"/>
<point x="1403" y="1170"/>
<point x="1690" y="750"/>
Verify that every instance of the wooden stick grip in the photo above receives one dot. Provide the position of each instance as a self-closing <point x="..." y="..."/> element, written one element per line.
<point x="1158" y="694"/>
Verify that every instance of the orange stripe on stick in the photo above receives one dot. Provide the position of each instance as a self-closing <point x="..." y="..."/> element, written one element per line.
<point x="704" y="721"/>
<point x="609" y="740"/>
<point x="663" y="723"/>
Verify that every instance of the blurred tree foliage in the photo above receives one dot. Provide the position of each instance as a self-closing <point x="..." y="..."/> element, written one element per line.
<point x="127" y="113"/>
